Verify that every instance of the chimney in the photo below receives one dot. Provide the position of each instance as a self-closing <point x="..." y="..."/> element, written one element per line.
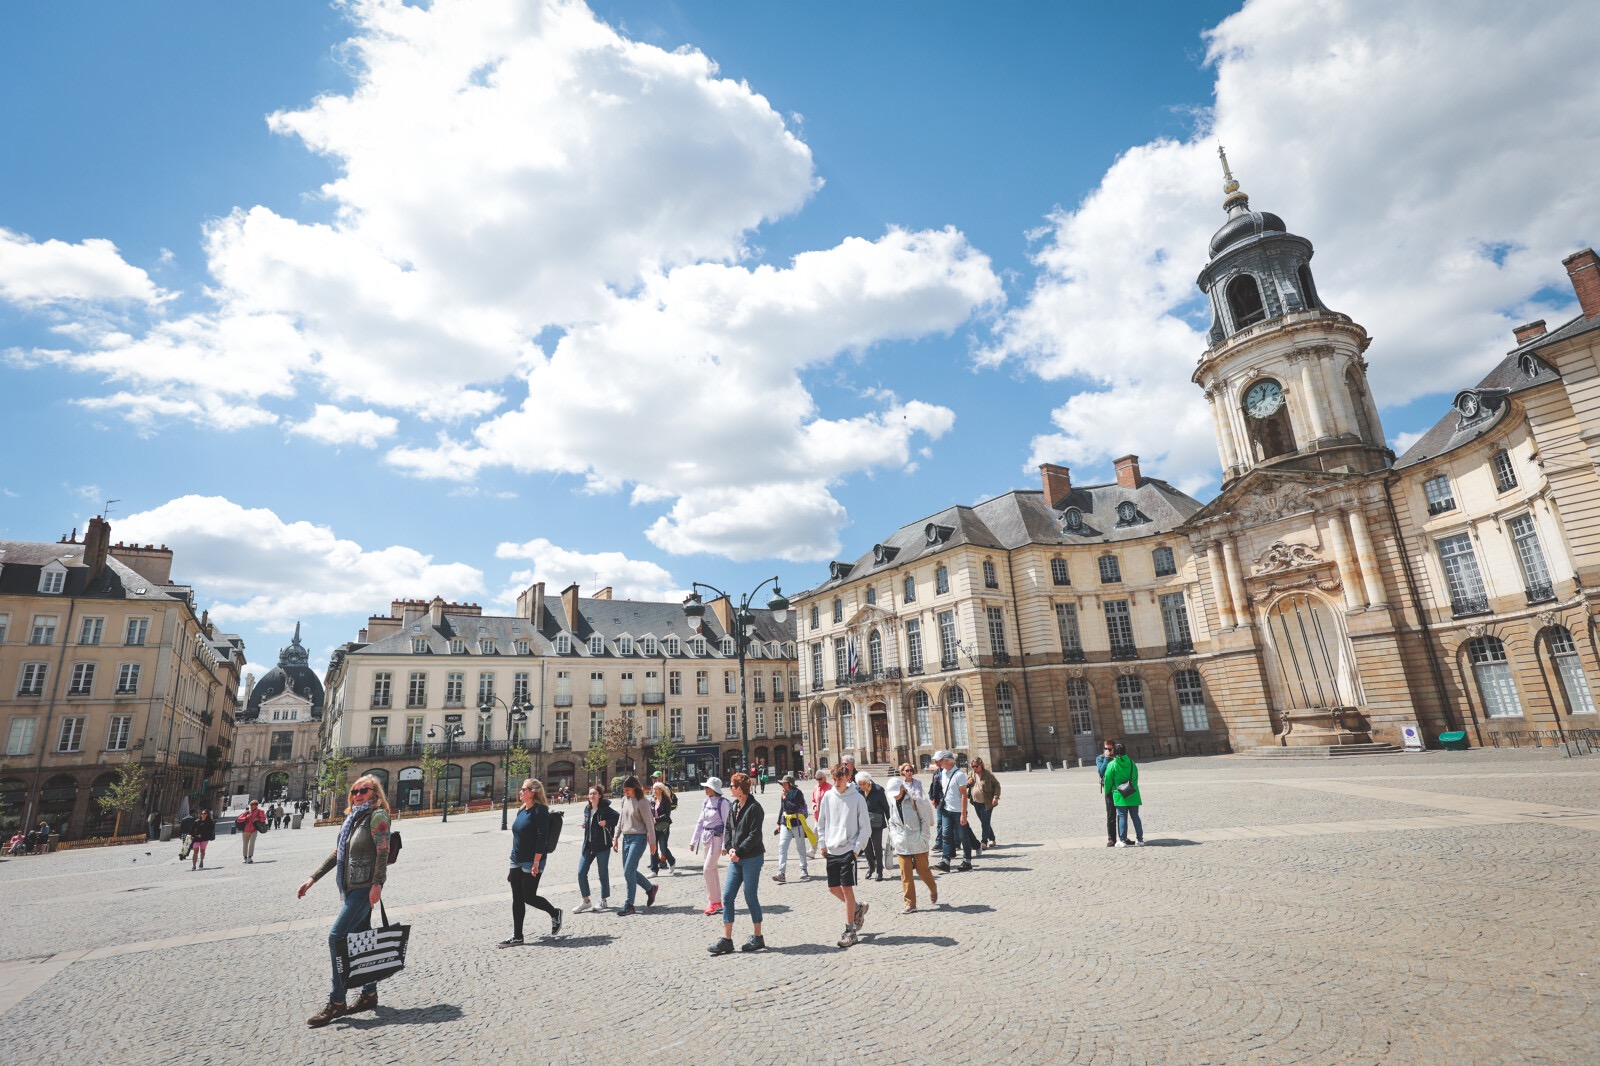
<point x="722" y="610"/>
<point x="436" y="612"/>
<point x="530" y="603"/>
<point x="603" y="594"/>
<point x="1584" y="270"/>
<point x="1128" y="471"/>
<point x="362" y="636"/>
<point x="96" y="546"/>
<point x="1057" y="485"/>
<point x="1529" y="330"/>
<point x="569" y="605"/>
<point x="148" y="561"/>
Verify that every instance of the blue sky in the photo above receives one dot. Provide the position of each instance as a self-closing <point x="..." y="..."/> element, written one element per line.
<point x="358" y="302"/>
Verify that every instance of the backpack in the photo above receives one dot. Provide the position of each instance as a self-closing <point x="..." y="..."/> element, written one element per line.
<point x="936" y="789"/>
<point x="552" y="832"/>
<point x="673" y="796"/>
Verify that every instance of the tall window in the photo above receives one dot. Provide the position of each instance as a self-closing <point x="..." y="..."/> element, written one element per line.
<point x="1059" y="575"/>
<point x="1580" y="700"/>
<point x="652" y="724"/>
<point x="674" y="682"/>
<point x="777" y="685"/>
<point x="914" y="645"/>
<point x="1175" y="620"/>
<point x="91" y="630"/>
<point x="71" y="736"/>
<point x="822" y="727"/>
<point x="117" y="735"/>
<point x="128" y="679"/>
<point x="597" y="725"/>
<point x="1007" y="713"/>
<point x="875" y="652"/>
<point x="281" y="747"/>
<point x="702" y="682"/>
<point x="1110" y="570"/>
<point x="1130" y="698"/>
<point x="1119" y="628"/>
<point x="1067" y="627"/>
<point x="997" y="633"/>
<point x="847" y="725"/>
<point x="519" y="686"/>
<point x="838" y="609"/>
<point x="1467" y="594"/>
<point x="82" y="682"/>
<point x="703" y="722"/>
<point x="841" y="661"/>
<point x="816" y="618"/>
<point x="1244" y="300"/>
<point x="1079" y="705"/>
<point x="19" y="738"/>
<point x="563" y="727"/>
<point x="1493" y="672"/>
<point x="1166" y="562"/>
<point x="761" y="721"/>
<point x="31" y="683"/>
<point x="485" y="689"/>
<point x="676" y="723"/>
<point x="1505" y="475"/>
<point x="1535" y="574"/>
<point x="947" y="640"/>
<point x="44" y="630"/>
<point x="991" y="579"/>
<point x="138" y="630"/>
<point x="1440" y="498"/>
<point x="414" y="729"/>
<point x="956" y="700"/>
<point x="941" y="580"/>
<point x="382" y="683"/>
<point x="378" y="733"/>
<point x="911" y="589"/>
<point x="455" y="689"/>
<point x="1191" y="700"/>
<point x="923" y="706"/>
<point x="597" y="688"/>
<point x="730" y="682"/>
<point x="417" y="690"/>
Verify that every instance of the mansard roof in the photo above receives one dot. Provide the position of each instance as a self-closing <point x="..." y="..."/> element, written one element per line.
<point x="21" y="561"/>
<point x="1520" y="370"/>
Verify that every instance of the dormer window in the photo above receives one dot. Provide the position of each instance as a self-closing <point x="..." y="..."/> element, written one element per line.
<point x="458" y="646"/>
<point x="670" y="646"/>
<point x="936" y="534"/>
<point x="648" y="646"/>
<point x="882" y="553"/>
<point x="1127" y="513"/>
<point x="419" y="645"/>
<point x="563" y="644"/>
<point x="1072" y="520"/>
<point x="522" y="647"/>
<point x="597" y="645"/>
<point x="485" y="645"/>
<point x="1532" y="366"/>
<point x="52" y="579"/>
<point x="624" y="645"/>
<point x="697" y="647"/>
<point x="839" y="571"/>
<point x="728" y="647"/>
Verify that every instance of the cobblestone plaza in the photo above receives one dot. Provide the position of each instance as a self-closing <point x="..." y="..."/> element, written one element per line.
<point x="1399" y="909"/>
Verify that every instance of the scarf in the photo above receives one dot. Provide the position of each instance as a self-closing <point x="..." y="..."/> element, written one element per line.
<point x="342" y="849"/>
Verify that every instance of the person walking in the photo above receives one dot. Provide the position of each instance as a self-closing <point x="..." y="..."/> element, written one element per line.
<point x="910" y="836"/>
<point x="791" y="828"/>
<point x="709" y="831"/>
<point x="877" y="818"/>
<point x="983" y="790"/>
<point x="599" y="828"/>
<point x="953" y="812"/>
<point x="664" y="802"/>
<point x="842" y="831"/>
<point x="824" y="783"/>
<point x="763" y="780"/>
<point x="635" y="830"/>
<point x="528" y="836"/>
<point x="203" y="833"/>
<point x="1122" y="785"/>
<point x="746" y="853"/>
<point x="250" y="823"/>
<point x="1102" y="761"/>
<point x="185" y="836"/>
<point x="360" y="862"/>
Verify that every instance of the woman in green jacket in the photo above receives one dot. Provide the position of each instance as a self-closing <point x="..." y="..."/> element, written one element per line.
<point x="1120" y="772"/>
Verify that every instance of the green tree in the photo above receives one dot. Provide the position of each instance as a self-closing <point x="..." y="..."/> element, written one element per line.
<point x="666" y="758"/>
<point x="334" y="777"/>
<point x="519" y="765"/>
<point x="123" y="794"/>
<point x="616" y="740"/>
<point x="432" y="770"/>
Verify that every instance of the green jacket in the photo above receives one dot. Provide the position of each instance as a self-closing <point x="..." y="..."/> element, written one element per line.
<point x="1122" y="769"/>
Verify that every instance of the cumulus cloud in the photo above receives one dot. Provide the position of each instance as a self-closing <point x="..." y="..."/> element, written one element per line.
<point x="38" y="273"/>
<point x="255" y="567"/>
<point x="1439" y="155"/>
<point x="331" y="425"/>
<point x="557" y="567"/>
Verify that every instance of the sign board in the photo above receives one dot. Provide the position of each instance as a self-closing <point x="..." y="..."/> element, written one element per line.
<point x="1412" y="736"/>
<point x="380" y="719"/>
<point x="452" y="719"/>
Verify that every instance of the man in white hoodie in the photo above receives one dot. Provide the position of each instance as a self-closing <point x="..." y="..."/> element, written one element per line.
<point x="842" y="831"/>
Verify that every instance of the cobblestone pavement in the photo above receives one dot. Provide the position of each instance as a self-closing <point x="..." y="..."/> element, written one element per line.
<point x="1404" y="909"/>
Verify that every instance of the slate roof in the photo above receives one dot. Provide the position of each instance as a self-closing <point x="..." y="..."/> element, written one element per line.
<point x="21" y="561"/>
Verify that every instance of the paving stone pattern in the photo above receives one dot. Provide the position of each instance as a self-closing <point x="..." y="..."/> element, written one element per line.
<point x="1402" y="909"/>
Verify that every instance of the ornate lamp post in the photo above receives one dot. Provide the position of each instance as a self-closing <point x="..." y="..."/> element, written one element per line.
<point x="451" y="734"/>
<point x="516" y="711"/>
<point x="744" y="627"/>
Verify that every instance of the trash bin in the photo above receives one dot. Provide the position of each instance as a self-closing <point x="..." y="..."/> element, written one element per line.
<point x="166" y="832"/>
<point x="294" y="823"/>
<point x="1456" y="741"/>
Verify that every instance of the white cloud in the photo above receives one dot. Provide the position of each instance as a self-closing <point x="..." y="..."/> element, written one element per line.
<point x="254" y="567"/>
<point x="38" y="273"/>
<point x="1413" y="144"/>
<point x="557" y="567"/>
<point x="1402" y="442"/>
<point x="330" y="425"/>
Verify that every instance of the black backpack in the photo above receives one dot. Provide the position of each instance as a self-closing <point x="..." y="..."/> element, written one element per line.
<point x="936" y="789"/>
<point x="394" y="846"/>
<point x="552" y="831"/>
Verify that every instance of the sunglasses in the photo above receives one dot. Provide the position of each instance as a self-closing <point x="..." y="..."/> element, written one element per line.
<point x="360" y="791"/>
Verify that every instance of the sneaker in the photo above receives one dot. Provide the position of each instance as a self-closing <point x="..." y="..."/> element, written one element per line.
<point x="805" y="875"/>
<point x="755" y="943"/>
<point x="511" y="942"/>
<point x="723" y="946"/>
<point x="555" y="922"/>
<point x="779" y="878"/>
<point x="849" y="936"/>
<point x="964" y="867"/>
<point x="908" y="908"/>
<point x="327" y="1014"/>
<point x="627" y="911"/>
<point x="712" y="908"/>
<point x="582" y="907"/>
<point x="365" y="1002"/>
<point x="650" y="895"/>
<point x="1138" y="843"/>
<point x="1124" y="843"/>
<point x="942" y="867"/>
<point x="603" y="905"/>
<point x="860" y="915"/>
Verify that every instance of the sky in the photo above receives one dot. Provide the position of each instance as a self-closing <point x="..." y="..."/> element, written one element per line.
<point x="354" y="302"/>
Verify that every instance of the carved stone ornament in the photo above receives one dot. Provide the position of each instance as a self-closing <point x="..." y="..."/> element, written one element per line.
<point x="1477" y="629"/>
<point x="1270" y="506"/>
<point x="1128" y="670"/>
<point x="1304" y="583"/>
<point x="1077" y="673"/>
<point x="1282" y="556"/>
<point x="1548" y="618"/>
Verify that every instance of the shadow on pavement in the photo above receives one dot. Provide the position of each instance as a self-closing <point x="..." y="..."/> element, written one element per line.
<point x="966" y="908"/>
<point x="986" y="868"/>
<point x="439" y="1012"/>
<point x="936" y="941"/>
<point x="593" y="941"/>
<point x="1171" y="842"/>
<point x="803" y="949"/>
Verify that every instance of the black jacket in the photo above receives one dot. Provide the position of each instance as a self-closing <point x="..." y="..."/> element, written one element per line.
<point x="599" y="826"/>
<point x="794" y="802"/>
<point x="878" y="803"/>
<point x="743" y="831"/>
<point x="205" y="829"/>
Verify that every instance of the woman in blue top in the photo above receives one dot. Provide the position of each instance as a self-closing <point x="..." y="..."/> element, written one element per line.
<point x="527" y="861"/>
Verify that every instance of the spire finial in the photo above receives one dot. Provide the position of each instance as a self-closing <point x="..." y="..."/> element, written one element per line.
<point x="296" y="633"/>
<point x="1232" y="197"/>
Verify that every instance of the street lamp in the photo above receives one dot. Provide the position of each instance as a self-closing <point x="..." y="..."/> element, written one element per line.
<point x="744" y="627"/>
<point x="451" y="734"/>
<point x="516" y="711"/>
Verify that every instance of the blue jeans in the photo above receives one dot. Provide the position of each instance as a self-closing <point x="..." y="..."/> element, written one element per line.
<point x="954" y="831"/>
<point x="987" y="836"/>
<point x="748" y="873"/>
<point x="354" y="916"/>
<point x="1122" y="823"/>
<point x="633" y="849"/>
<point x="603" y="859"/>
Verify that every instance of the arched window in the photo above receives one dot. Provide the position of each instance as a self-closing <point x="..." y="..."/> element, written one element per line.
<point x="819" y="714"/>
<point x="921" y="705"/>
<point x="955" y="700"/>
<point x="1130" y="697"/>
<point x="1564" y="650"/>
<point x="1308" y="287"/>
<point x="1493" y="673"/>
<point x="1007" y="712"/>
<point x="874" y="652"/>
<point x="56" y="801"/>
<point x="1244" y="300"/>
<point x="482" y="783"/>
<point x="380" y="775"/>
<point x="1191" y="700"/>
<point x="847" y="726"/>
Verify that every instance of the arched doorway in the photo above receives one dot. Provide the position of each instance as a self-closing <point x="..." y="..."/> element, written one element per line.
<point x="878" y="730"/>
<point x="561" y="775"/>
<point x="98" y="822"/>
<point x="1311" y="665"/>
<point x="56" y="802"/>
<point x="482" y="782"/>
<point x="276" y="787"/>
<point x="409" y="794"/>
<point x="730" y="764"/>
<point x="780" y="759"/>
<point x="380" y="775"/>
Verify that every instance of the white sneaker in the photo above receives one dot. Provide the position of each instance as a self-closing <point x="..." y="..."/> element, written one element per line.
<point x="1124" y="844"/>
<point x="603" y="905"/>
<point x="584" y="906"/>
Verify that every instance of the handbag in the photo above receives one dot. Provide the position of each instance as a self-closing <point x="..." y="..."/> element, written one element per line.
<point x="1126" y="788"/>
<point x="372" y="954"/>
<point x="188" y="842"/>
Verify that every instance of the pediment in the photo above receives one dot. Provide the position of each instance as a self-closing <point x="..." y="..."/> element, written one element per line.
<point x="870" y="614"/>
<point x="1263" y="496"/>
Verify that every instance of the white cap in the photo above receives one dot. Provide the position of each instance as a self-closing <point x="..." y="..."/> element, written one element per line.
<point x="714" y="784"/>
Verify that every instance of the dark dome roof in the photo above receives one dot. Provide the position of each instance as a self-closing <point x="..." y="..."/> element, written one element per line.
<point x="292" y="674"/>
<point x="1243" y="224"/>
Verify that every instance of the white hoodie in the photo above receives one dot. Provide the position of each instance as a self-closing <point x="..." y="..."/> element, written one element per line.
<point x="842" y="822"/>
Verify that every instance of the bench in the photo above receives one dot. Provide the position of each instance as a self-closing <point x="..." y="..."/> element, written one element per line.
<point x="1455" y="741"/>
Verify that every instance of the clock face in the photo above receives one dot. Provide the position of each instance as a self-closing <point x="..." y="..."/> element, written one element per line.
<point x="1263" y="399"/>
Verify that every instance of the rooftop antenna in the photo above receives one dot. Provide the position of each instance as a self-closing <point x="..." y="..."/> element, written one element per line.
<point x="105" y="512"/>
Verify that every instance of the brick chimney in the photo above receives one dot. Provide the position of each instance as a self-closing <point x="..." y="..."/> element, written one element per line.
<point x="1128" y="471"/>
<point x="150" y="562"/>
<point x="1584" y="270"/>
<point x="530" y="603"/>
<point x="436" y="612"/>
<point x="1528" y="331"/>
<point x="1057" y="484"/>
<point x="96" y="546"/>
<point x="569" y="605"/>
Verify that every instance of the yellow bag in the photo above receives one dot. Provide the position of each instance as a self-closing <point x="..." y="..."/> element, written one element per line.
<point x="811" y="834"/>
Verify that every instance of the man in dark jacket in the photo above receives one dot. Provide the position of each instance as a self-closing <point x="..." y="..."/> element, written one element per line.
<point x="1100" y="765"/>
<point x="791" y="827"/>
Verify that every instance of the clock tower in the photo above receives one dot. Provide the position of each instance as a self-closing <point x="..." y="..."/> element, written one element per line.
<point x="1284" y="375"/>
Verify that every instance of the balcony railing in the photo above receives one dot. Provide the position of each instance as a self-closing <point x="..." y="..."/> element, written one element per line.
<point x="703" y="737"/>
<point x="380" y="703"/>
<point x="1543" y="592"/>
<point x="916" y="669"/>
<point x="628" y="699"/>
<point x="874" y="677"/>
<point x="947" y="662"/>
<point x="1001" y="658"/>
<point x="1464" y="606"/>
<point x="816" y="686"/>
<point x="1180" y="647"/>
<point x="562" y="699"/>
<point x="655" y="698"/>
<point x="563" y="745"/>
<point x="758" y="697"/>
<point x="459" y="748"/>
<point x="597" y="699"/>
<point x="1072" y="655"/>
<point x="1124" y="651"/>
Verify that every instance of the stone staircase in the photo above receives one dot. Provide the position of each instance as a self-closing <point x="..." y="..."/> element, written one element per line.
<point x="1320" y="751"/>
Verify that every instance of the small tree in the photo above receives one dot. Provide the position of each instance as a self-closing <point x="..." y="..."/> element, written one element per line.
<point x="123" y="794"/>
<point x="666" y="758"/>
<point x="519" y="765"/>
<point x="335" y="775"/>
<point x="432" y="770"/>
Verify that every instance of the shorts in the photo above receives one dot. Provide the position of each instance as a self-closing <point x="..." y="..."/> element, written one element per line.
<point x="842" y="870"/>
<point x="200" y="846"/>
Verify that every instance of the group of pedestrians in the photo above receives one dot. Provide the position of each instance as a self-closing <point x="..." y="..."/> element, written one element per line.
<point x="35" y="841"/>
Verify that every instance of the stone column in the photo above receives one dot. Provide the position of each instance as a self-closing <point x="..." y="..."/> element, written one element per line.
<point x="1219" y="588"/>
<point x="1217" y="398"/>
<point x="1338" y="397"/>
<point x="1311" y="394"/>
<point x="1241" y="603"/>
<point x="1371" y="578"/>
<point x="1349" y="576"/>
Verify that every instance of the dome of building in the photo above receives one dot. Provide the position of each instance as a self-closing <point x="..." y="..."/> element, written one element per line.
<point x="1243" y="224"/>
<point x="292" y="674"/>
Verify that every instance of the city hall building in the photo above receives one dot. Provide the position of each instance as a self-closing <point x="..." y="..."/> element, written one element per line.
<point x="1331" y="594"/>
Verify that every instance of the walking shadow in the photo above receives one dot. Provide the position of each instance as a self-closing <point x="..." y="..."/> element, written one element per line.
<point x="803" y="949"/>
<point x="936" y="941"/>
<point x="439" y="1012"/>
<point x="1171" y="842"/>
<point x="594" y="940"/>
<point x="965" y="908"/>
